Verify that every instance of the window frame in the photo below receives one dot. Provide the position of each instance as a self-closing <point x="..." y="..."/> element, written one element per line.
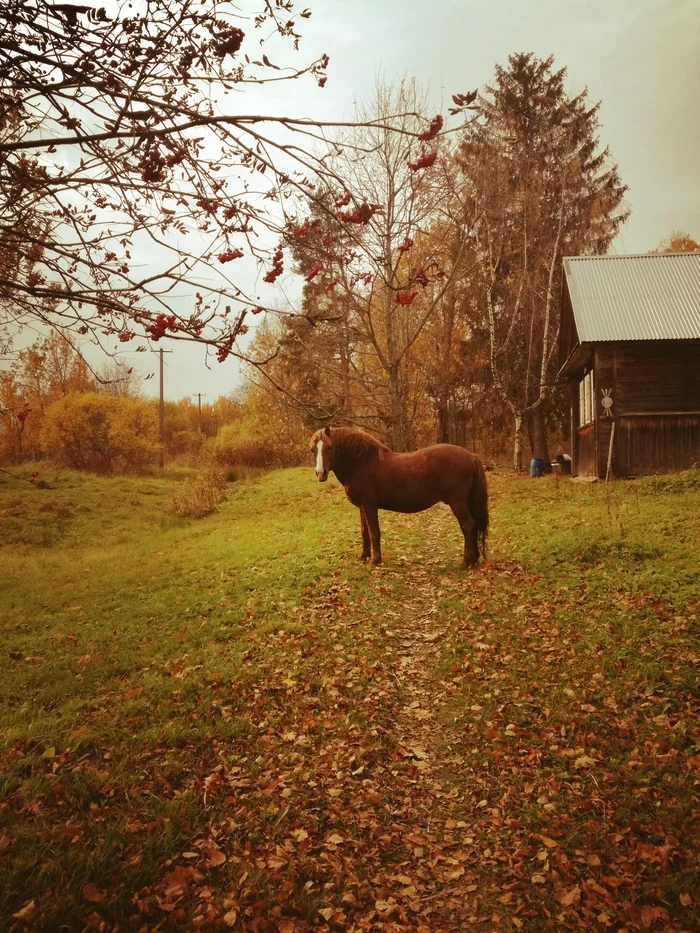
<point x="586" y="400"/>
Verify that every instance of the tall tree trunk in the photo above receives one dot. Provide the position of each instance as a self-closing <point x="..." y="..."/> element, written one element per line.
<point x="518" y="443"/>
<point x="442" y="416"/>
<point x="400" y="427"/>
<point x="538" y="433"/>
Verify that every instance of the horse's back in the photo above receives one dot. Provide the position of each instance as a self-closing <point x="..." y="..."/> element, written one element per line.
<point x="411" y="482"/>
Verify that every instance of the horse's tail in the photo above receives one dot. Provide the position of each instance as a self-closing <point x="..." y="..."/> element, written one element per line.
<point x="478" y="503"/>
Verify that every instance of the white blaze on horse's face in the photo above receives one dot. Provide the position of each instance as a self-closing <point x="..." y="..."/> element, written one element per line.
<point x="321" y="471"/>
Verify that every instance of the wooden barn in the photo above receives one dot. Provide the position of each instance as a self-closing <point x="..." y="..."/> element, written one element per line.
<point x="630" y="351"/>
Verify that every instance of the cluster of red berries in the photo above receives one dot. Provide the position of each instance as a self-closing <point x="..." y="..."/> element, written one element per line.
<point x="361" y="214"/>
<point x="209" y="205"/>
<point x="126" y="335"/>
<point x="312" y="273"/>
<point x="435" y="126"/>
<point x="230" y="254"/>
<point x="302" y="231"/>
<point x="277" y="266"/>
<point x="152" y="165"/>
<point x="419" y="276"/>
<point x="424" y="161"/>
<point x="162" y="324"/>
<point x="228" y="42"/>
<point x="406" y="245"/>
<point x="343" y="201"/>
<point x="405" y="298"/>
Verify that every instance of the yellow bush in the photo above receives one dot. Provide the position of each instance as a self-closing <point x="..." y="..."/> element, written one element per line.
<point x="247" y="443"/>
<point x="101" y="433"/>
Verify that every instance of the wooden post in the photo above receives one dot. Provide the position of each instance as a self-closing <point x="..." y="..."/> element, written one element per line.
<point x="161" y="414"/>
<point x="161" y="411"/>
<point x="199" y="400"/>
<point x="610" y="452"/>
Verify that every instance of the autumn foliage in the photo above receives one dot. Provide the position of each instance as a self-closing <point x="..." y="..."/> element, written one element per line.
<point x="100" y="433"/>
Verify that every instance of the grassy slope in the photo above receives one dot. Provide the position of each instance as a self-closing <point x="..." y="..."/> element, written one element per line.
<point x="155" y="666"/>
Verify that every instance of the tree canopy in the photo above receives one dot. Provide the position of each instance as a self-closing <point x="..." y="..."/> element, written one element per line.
<point x="137" y="194"/>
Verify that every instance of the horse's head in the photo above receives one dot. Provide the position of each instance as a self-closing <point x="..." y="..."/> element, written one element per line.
<point x="322" y="448"/>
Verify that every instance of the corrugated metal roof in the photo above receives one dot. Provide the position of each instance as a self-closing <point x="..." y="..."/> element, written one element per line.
<point x="653" y="296"/>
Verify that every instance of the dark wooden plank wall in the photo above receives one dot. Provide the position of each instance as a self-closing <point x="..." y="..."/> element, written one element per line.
<point x="654" y="377"/>
<point x="657" y="443"/>
<point x="657" y="407"/>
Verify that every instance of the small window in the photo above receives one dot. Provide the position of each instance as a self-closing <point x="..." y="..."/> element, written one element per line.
<point x="586" y="400"/>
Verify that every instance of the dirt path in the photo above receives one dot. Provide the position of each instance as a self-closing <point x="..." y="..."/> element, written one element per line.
<point x="351" y="772"/>
<point x="439" y="792"/>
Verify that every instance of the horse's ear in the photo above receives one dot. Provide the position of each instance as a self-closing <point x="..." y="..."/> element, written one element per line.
<point x="327" y="431"/>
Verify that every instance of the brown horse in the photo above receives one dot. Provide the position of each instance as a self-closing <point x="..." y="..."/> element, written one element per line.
<point x="376" y="478"/>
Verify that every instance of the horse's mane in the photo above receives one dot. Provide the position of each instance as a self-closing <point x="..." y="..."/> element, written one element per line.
<point x="356" y="445"/>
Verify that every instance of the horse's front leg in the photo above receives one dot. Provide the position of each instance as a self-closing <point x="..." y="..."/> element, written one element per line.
<point x="371" y="517"/>
<point x="366" y="545"/>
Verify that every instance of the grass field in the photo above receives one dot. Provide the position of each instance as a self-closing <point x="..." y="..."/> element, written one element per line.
<point x="230" y="722"/>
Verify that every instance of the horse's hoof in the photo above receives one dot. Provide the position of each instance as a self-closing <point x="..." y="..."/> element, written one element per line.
<point x="376" y="561"/>
<point x="364" y="558"/>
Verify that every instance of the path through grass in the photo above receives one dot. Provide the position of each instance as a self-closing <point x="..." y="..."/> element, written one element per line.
<point x="231" y="723"/>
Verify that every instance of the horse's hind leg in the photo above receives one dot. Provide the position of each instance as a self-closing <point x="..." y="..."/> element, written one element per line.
<point x="468" y="526"/>
<point x="366" y="545"/>
<point x="371" y="517"/>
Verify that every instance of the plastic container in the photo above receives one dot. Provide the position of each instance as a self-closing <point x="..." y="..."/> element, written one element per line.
<point x="538" y="466"/>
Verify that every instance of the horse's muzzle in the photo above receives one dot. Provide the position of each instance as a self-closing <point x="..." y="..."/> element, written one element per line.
<point x="322" y="477"/>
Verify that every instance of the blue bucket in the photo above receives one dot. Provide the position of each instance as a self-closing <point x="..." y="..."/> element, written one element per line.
<point x="538" y="466"/>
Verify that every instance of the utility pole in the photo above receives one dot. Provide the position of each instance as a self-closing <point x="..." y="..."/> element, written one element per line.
<point x="161" y="411"/>
<point x="199" y="401"/>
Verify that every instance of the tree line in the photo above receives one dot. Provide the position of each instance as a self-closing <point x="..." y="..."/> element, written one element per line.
<point x="52" y="405"/>
<point x="431" y="312"/>
<point x="429" y="247"/>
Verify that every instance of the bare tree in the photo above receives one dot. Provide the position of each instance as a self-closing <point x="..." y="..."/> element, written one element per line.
<point x="136" y="196"/>
<point x="369" y="253"/>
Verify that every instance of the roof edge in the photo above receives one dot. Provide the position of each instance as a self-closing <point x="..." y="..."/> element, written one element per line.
<point x="651" y="255"/>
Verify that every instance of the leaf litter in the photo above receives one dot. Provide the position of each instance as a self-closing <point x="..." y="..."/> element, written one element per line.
<point x="460" y="759"/>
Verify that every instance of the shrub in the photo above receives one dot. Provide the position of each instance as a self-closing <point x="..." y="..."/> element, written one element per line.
<point x="247" y="443"/>
<point x="200" y="495"/>
<point x="100" y="433"/>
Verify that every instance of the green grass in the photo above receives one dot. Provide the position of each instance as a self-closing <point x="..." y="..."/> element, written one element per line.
<point x="175" y="687"/>
<point x="576" y="674"/>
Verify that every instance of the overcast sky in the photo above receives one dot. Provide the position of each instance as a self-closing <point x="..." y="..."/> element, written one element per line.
<point x="640" y="58"/>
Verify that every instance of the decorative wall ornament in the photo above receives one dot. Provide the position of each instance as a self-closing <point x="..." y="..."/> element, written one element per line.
<point x="607" y="402"/>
